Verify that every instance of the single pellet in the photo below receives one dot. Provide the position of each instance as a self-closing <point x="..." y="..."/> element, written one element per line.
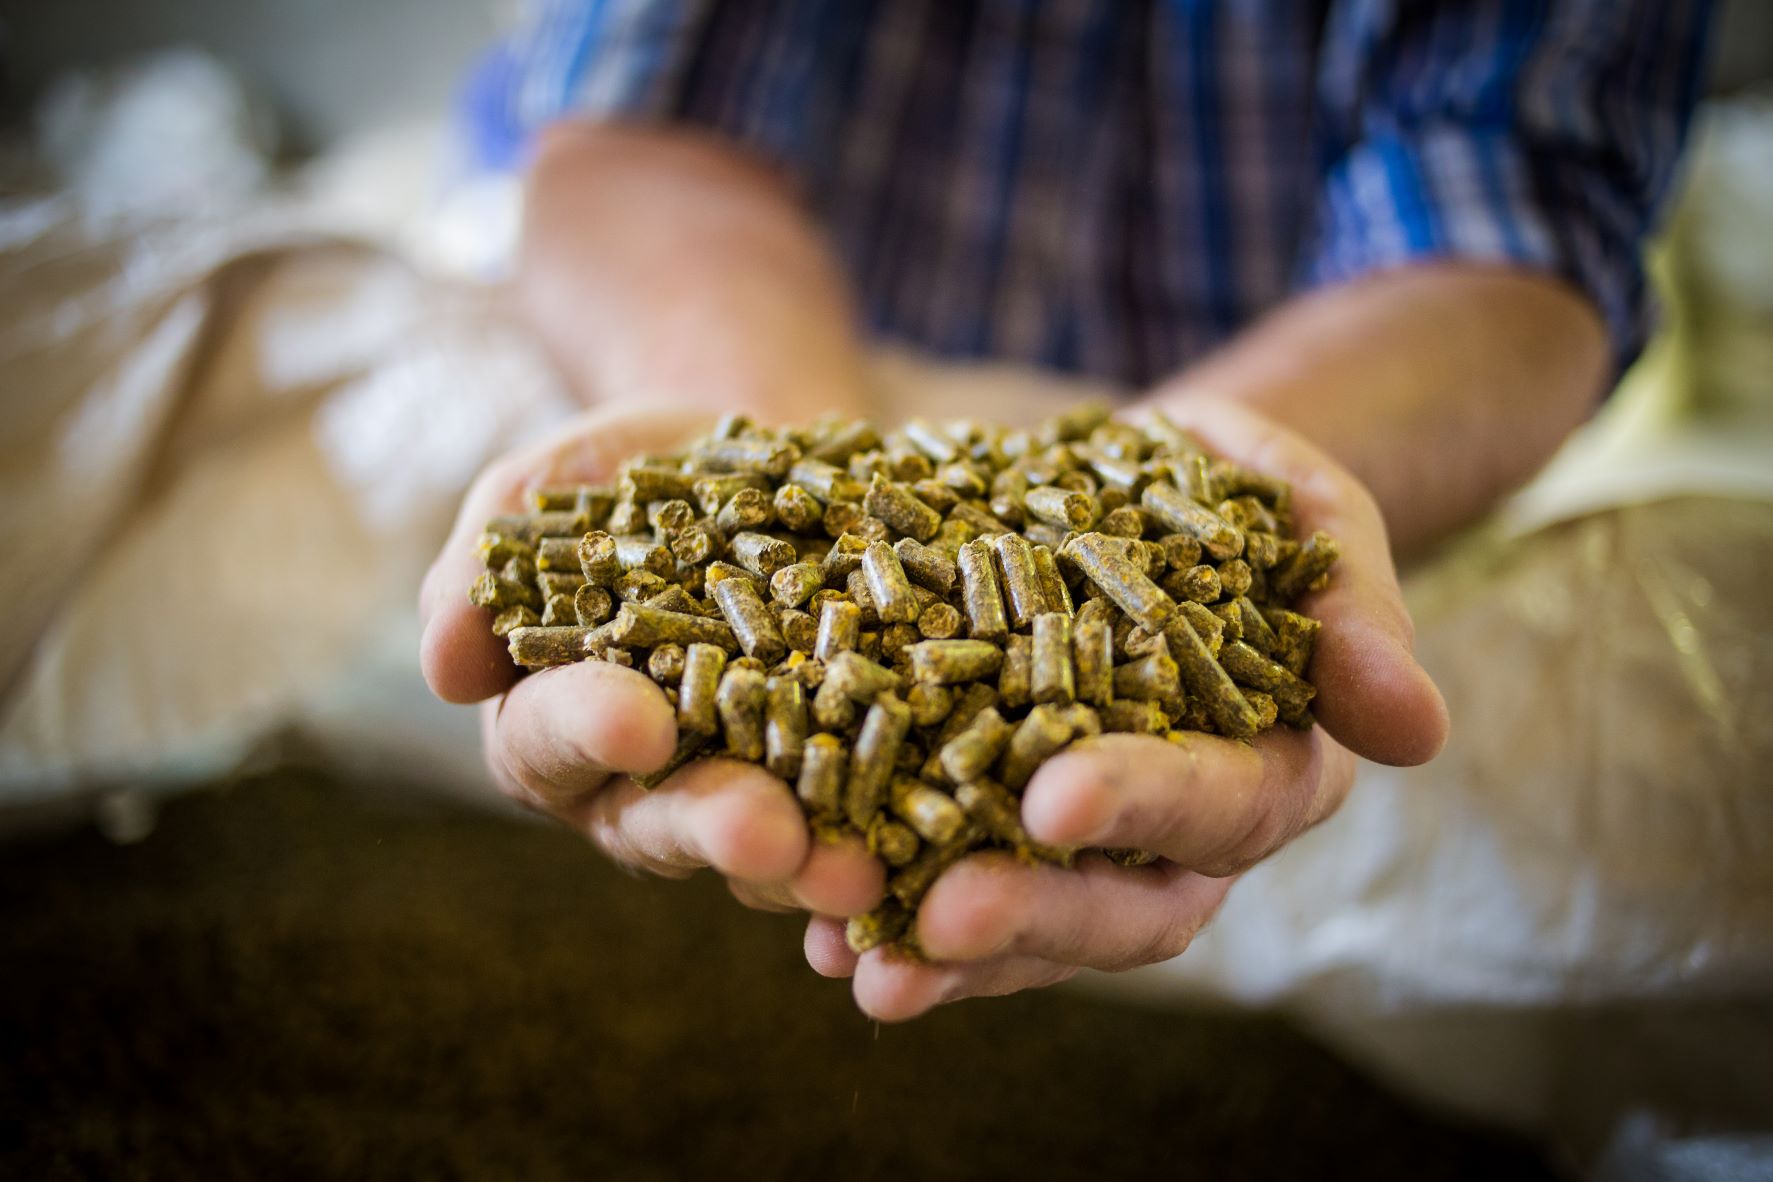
<point x="1198" y="584"/>
<point x="927" y="567"/>
<point x="932" y="814"/>
<point x="794" y="583"/>
<point x="1295" y="638"/>
<point x="887" y="585"/>
<point x="896" y="641"/>
<point x="1266" y="708"/>
<point x="1092" y="649"/>
<point x="558" y="610"/>
<point x="1257" y="633"/>
<point x="751" y="622"/>
<point x="1015" y="678"/>
<point x="785" y="726"/>
<point x="747" y="509"/>
<point x="823" y="765"/>
<point x="1061" y="508"/>
<point x="496" y="591"/>
<point x="1133" y="716"/>
<point x="742" y="701"/>
<point x="930" y="703"/>
<point x="653" y="482"/>
<point x="884" y="925"/>
<point x="969" y="703"/>
<point x="761" y="554"/>
<point x="638" y="586"/>
<point x="1107" y="566"/>
<point x="1235" y="577"/>
<point x="764" y="456"/>
<point x="675" y="599"/>
<point x="969" y="754"/>
<point x="854" y="676"/>
<point x="698" y="689"/>
<point x="1315" y="556"/>
<point x="1053" y="677"/>
<point x="1207" y="681"/>
<point x="512" y="618"/>
<point x="950" y="662"/>
<point x="641" y="552"/>
<point x="537" y="647"/>
<point x="597" y="559"/>
<point x="665" y="664"/>
<point x="797" y="509"/>
<point x="1153" y="677"/>
<point x="986" y="617"/>
<point x="876" y="751"/>
<point x="890" y="841"/>
<point x="711" y="492"/>
<point x="825" y="481"/>
<point x="939" y="621"/>
<point x="1038" y="737"/>
<point x="1052" y="584"/>
<point x="1218" y="538"/>
<point x="840" y="626"/>
<point x="1021" y="583"/>
<point x="1248" y="667"/>
<point x="800" y="632"/>
<point x="841" y="517"/>
<point x="639" y="626"/>
<point x="1210" y="628"/>
<point x="901" y="509"/>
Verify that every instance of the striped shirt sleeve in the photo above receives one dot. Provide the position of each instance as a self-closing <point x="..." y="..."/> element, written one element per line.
<point x="1541" y="133"/>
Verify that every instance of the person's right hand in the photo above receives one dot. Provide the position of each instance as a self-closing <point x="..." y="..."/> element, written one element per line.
<point x="565" y="739"/>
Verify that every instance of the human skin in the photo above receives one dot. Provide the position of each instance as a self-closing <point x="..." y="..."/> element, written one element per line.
<point x="665" y="270"/>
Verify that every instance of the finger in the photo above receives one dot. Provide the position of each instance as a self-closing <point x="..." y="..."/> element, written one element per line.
<point x="893" y="988"/>
<point x="827" y="951"/>
<point x="1372" y="695"/>
<point x="732" y="816"/>
<point x="558" y="734"/>
<point x="1207" y="804"/>
<point x="1096" y="915"/>
<point x="461" y="658"/>
<point x="772" y="898"/>
<point x="840" y="878"/>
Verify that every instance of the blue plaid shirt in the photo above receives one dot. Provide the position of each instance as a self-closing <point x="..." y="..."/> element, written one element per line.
<point x="1111" y="187"/>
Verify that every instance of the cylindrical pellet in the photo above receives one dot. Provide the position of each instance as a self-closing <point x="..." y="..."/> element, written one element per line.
<point x="1150" y="678"/>
<point x="798" y="510"/>
<point x="891" y="842"/>
<point x="1248" y="667"/>
<point x="885" y="924"/>
<point x="795" y="583"/>
<point x="1057" y="506"/>
<point x="785" y="726"/>
<point x="1052" y="584"/>
<point x="950" y="662"/>
<point x="840" y="625"/>
<point x="800" y="632"/>
<point x="1207" y="681"/>
<point x="927" y="567"/>
<point x="1015" y="680"/>
<point x="931" y="813"/>
<point x="1292" y="578"/>
<point x="910" y="885"/>
<point x="1235" y="577"/>
<point x="1108" y="567"/>
<point x="939" y="621"/>
<point x="703" y="665"/>
<point x="1036" y="739"/>
<point x="1092" y="647"/>
<point x="665" y="664"/>
<point x="765" y="456"/>
<point x="512" y="618"/>
<point x="747" y="509"/>
<point x="1218" y="538"/>
<point x="888" y="586"/>
<point x="1133" y="716"/>
<point x="751" y="623"/>
<point x="637" y="625"/>
<point x="1021" y="583"/>
<point x="761" y="554"/>
<point x="876" y="751"/>
<point x="823" y="767"/>
<point x="986" y="617"/>
<point x="1052" y="679"/>
<point x="825" y="481"/>
<point x="899" y="507"/>
<point x="970" y="754"/>
<point x="711" y="492"/>
<point x="537" y="647"/>
<point x="930" y="703"/>
<point x="742" y="702"/>
<point x="496" y="591"/>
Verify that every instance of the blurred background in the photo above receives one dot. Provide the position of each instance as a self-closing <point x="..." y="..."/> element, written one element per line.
<point x="260" y="915"/>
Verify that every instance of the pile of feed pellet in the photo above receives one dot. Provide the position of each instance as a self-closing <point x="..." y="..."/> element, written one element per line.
<point x="905" y="626"/>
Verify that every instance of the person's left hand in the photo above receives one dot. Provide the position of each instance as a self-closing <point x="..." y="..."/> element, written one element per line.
<point x="1210" y="807"/>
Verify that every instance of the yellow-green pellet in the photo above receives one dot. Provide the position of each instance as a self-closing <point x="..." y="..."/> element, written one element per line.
<point x="800" y="632"/>
<point x="1314" y="558"/>
<point x="558" y="610"/>
<point x="1134" y="716"/>
<point x="537" y="647"/>
<point x="1219" y="539"/>
<point x="969" y="754"/>
<point x="1021" y="584"/>
<point x="950" y="662"/>
<point x="689" y="746"/>
<point x="986" y="617"/>
<point x="1207" y="681"/>
<point x="876" y="752"/>
<point x="939" y="621"/>
<point x="490" y="590"/>
<point x="1248" y="667"/>
<point x="1015" y="677"/>
<point x="1151" y="677"/>
<point x="823" y="766"/>
<point x="637" y="625"/>
<point x="909" y="885"/>
<point x="893" y="843"/>
<point x="887" y="585"/>
<point x="785" y="726"/>
<point x="665" y="664"/>
<point x="1052" y="676"/>
<point x="698" y="689"/>
<point x="931" y="813"/>
<point x="1092" y="647"/>
<point x="711" y="492"/>
<point x="1052" y="584"/>
<point x="827" y="482"/>
<point x="519" y="616"/>
<point x="840" y="626"/>
<point x="1036" y="739"/>
<point x="741" y="701"/>
<point x="901" y="509"/>
<point x="1121" y="580"/>
<point x="927" y="567"/>
<point x="1059" y="507"/>
<point x="886" y="924"/>
<point x="797" y="509"/>
<point x="751" y="623"/>
<point x="764" y="456"/>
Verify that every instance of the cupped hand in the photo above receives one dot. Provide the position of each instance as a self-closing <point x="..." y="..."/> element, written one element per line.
<point x="565" y="740"/>
<point x="1209" y="807"/>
